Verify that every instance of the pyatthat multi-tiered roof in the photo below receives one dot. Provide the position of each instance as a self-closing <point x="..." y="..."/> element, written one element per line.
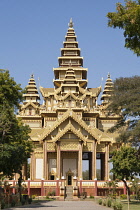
<point x="71" y="79"/>
<point x="70" y="126"/>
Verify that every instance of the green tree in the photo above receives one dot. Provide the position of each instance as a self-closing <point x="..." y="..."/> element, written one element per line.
<point x="15" y="146"/>
<point x="127" y="17"/>
<point x="126" y="102"/>
<point x="85" y="175"/>
<point x="111" y="188"/>
<point x="126" y="164"/>
<point x="135" y="188"/>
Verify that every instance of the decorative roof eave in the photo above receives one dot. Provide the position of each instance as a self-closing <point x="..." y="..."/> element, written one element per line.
<point x="57" y="83"/>
<point x="106" y="96"/>
<point x="31" y="95"/>
<point x="36" y="133"/>
<point x="109" y="139"/>
<point x="28" y="117"/>
<point x="83" y="83"/>
<point x="46" y="91"/>
<point x="69" y="127"/>
<point x="33" y="90"/>
<point x="75" y="49"/>
<point x="71" y="42"/>
<point x="55" y="125"/>
<point x="41" y="90"/>
<point x="95" y="91"/>
<point x="28" y="104"/>
<point x="66" y="96"/>
<point x="82" y="90"/>
<point x="95" y="133"/>
<point x="31" y="86"/>
<point x="71" y="36"/>
<point x="70" y="67"/>
<point x="70" y="57"/>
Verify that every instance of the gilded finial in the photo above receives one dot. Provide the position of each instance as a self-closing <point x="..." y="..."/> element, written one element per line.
<point x="108" y="75"/>
<point x="32" y="75"/>
<point x="71" y="24"/>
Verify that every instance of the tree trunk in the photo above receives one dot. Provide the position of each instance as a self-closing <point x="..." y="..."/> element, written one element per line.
<point x="127" y="188"/>
<point x="19" y="184"/>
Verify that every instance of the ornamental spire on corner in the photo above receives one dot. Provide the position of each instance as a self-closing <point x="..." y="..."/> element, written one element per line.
<point x="71" y="24"/>
<point x="31" y="94"/>
<point x="107" y="92"/>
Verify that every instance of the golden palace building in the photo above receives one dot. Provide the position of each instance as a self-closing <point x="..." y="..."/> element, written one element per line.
<point x="69" y="127"/>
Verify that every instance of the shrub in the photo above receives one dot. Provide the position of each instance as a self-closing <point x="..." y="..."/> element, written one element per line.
<point x="91" y="196"/>
<point x="29" y="200"/>
<point x="13" y="203"/>
<point x="33" y="196"/>
<point x="133" y="197"/>
<point x="109" y="202"/>
<point x="117" y="206"/>
<point x="49" y="193"/>
<point x="23" y="201"/>
<point x="100" y="201"/>
<point x="25" y="197"/>
<point x="123" y="196"/>
<point x="53" y="193"/>
<point x="2" y="204"/>
<point x="84" y="194"/>
<point x="104" y="202"/>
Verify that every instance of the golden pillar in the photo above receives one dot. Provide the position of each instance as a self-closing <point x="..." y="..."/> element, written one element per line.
<point x="94" y="160"/>
<point x="58" y="160"/>
<point x="80" y="161"/>
<point x="45" y="161"/>
<point x="106" y="161"/>
<point x="33" y="167"/>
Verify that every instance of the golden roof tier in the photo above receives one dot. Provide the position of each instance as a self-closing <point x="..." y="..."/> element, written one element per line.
<point x="70" y="60"/>
<point x="32" y="92"/>
<point x="107" y="92"/>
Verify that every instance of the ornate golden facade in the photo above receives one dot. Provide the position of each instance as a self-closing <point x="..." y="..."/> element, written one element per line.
<point x="70" y="126"/>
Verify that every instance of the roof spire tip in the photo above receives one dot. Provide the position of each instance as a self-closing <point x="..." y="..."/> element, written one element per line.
<point x="108" y="75"/>
<point x="32" y="75"/>
<point x="71" y="23"/>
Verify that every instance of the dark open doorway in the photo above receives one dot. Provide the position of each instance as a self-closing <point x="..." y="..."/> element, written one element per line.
<point x="69" y="180"/>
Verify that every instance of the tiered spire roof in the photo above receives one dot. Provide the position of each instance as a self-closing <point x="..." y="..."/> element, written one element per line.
<point x="107" y="92"/>
<point x="32" y="92"/>
<point x="70" y="53"/>
<point x="70" y="62"/>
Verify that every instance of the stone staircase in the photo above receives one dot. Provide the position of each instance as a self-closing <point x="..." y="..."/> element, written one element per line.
<point x="69" y="193"/>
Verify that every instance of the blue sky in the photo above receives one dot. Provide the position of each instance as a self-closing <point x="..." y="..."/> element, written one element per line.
<point x="32" y="33"/>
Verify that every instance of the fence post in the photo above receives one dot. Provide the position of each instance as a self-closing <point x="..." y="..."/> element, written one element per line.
<point x="95" y="180"/>
<point x="42" y="187"/>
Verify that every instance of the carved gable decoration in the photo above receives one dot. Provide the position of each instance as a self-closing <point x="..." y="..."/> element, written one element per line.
<point x="29" y="105"/>
<point x="87" y="147"/>
<point x="74" y="124"/>
<point x="73" y="145"/>
<point x="100" y="147"/>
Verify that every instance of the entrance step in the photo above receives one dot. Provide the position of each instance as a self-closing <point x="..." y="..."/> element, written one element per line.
<point x="69" y="193"/>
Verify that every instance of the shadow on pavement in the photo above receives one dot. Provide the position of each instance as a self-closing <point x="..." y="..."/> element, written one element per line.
<point x="33" y="205"/>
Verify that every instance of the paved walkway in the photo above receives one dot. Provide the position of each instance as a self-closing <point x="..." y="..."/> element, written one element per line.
<point x="63" y="205"/>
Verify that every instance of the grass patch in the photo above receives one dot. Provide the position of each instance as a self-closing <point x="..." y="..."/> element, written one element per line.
<point x="134" y="205"/>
